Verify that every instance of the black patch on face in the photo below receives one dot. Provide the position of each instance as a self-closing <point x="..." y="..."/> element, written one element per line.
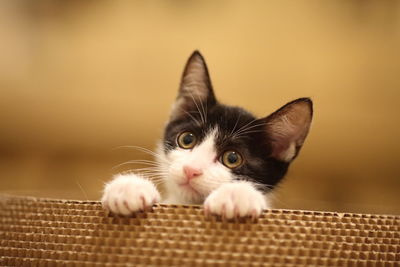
<point x="238" y="130"/>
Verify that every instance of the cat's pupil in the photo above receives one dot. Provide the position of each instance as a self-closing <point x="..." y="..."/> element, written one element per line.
<point x="232" y="157"/>
<point x="188" y="139"/>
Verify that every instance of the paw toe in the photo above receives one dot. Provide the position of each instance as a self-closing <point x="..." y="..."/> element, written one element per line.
<point x="234" y="201"/>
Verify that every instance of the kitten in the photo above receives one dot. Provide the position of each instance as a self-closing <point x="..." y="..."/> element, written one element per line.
<point x="217" y="155"/>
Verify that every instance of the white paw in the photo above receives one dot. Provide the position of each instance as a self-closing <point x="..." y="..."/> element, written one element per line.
<point x="234" y="200"/>
<point x="127" y="194"/>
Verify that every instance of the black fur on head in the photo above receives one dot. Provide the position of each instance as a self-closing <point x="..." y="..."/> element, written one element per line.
<point x="267" y="145"/>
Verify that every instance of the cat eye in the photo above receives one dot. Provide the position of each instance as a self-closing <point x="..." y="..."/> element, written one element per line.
<point x="232" y="159"/>
<point x="187" y="140"/>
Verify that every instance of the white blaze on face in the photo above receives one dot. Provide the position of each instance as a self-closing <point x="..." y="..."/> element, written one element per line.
<point x="202" y="157"/>
<point x="204" y="154"/>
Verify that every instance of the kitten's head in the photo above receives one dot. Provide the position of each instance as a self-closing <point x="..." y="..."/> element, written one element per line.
<point x="207" y="144"/>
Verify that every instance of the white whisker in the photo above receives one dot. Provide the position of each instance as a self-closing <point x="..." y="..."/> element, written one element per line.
<point x="138" y="162"/>
<point x="81" y="188"/>
<point x="250" y="127"/>
<point x="198" y="109"/>
<point x="234" y="127"/>
<point x="244" y="126"/>
<point x="191" y="116"/>
<point x="247" y="130"/>
<point x="144" y="150"/>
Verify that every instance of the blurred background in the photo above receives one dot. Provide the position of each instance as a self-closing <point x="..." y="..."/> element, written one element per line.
<point x="80" y="78"/>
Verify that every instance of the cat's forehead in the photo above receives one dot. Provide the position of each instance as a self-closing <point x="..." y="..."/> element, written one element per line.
<point x="228" y="116"/>
<point x="226" y="119"/>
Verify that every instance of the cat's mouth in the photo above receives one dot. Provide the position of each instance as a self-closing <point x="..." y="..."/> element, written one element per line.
<point x="188" y="187"/>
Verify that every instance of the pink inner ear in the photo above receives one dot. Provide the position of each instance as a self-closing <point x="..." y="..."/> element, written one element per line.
<point x="288" y="129"/>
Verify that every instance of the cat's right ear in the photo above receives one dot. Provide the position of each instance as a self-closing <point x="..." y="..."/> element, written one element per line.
<point x="195" y="91"/>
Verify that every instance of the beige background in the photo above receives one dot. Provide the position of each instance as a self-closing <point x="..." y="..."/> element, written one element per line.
<point x="80" y="78"/>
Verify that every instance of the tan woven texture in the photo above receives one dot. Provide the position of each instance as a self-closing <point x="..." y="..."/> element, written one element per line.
<point x="43" y="232"/>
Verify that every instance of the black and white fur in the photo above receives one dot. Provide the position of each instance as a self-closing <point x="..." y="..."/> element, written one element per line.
<point x="267" y="146"/>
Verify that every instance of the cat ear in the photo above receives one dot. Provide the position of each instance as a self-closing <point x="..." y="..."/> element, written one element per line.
<point x="288" y="128"/>
<point x="195" y="90"/>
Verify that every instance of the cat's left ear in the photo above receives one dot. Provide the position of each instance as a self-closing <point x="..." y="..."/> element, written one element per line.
<point x="195" y="91"/>
<point x="288" y="128"/>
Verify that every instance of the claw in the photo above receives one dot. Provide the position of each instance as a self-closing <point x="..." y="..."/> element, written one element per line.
<point x="207" y="211"/>
<point x="116" y="206"/>
<point x="144" y="206"/>
<point x="223" y="213"/>
<point x="127" y="206"/>
<point x="106" y="208"/>
<point x="254" y="215"/>
<point x="105" y="205"/>
<point x="236" y="212"/>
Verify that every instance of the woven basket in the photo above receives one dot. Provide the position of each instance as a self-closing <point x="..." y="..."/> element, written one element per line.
<point x="46" y="232"/>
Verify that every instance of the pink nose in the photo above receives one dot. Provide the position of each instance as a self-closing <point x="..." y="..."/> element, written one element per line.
<point x="191" y="172"/>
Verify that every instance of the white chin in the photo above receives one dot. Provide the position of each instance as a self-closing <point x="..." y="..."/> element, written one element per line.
<point x="190" y="194"/>
<point x="186" y="194"/>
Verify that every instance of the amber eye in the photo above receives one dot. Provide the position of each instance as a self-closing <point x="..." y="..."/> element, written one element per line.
<point x="187" y="140"/>
<point x="232" y="159"/>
